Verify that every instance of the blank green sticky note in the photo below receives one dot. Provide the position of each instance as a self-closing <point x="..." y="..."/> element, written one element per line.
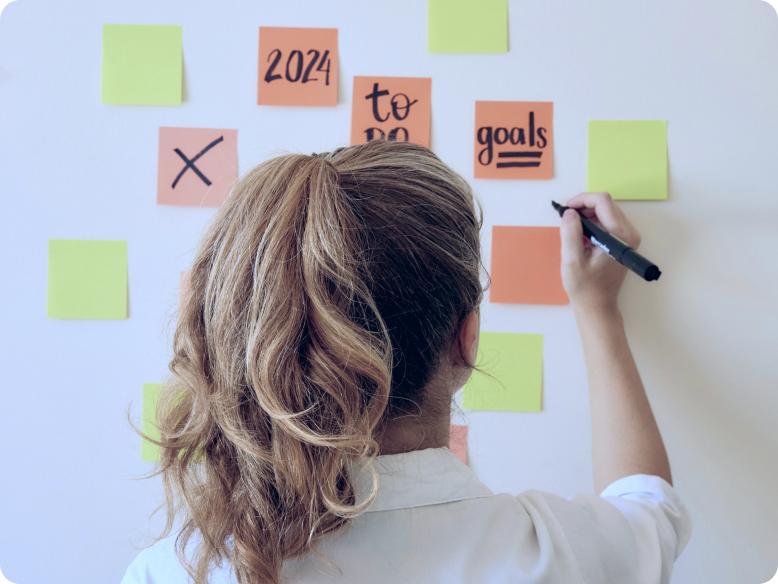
<point x="628" y="159"/>
<point x="512" y="378"/>
<point x="468" y="26"/>
<point x="87" y="279"/>
<point x="142" y="64"/>
<point x="148" y="450"/>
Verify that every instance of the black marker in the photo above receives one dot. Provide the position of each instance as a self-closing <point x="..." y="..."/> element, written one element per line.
<point x="614" y="247"/>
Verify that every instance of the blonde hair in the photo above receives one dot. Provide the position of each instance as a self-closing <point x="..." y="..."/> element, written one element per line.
<point x="322" y="299"/>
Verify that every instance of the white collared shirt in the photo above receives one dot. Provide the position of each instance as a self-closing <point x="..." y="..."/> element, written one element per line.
<point x="434" y="521"/>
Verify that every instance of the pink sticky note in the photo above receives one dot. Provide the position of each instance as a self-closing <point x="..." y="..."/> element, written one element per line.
<point x="197" y="166"/>
<point x="457" y="441"/>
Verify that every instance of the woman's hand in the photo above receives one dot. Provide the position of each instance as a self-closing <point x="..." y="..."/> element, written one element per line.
<point x="593" y="280"/>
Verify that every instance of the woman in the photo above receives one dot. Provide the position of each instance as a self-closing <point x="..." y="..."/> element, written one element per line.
<point x="333" y="314"/>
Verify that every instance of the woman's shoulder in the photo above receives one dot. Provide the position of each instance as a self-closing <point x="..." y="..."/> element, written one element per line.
<point x="159" y="564"/>
<point x="156" y="564"/>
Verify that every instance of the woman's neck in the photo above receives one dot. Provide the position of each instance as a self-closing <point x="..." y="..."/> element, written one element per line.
<point x="408" y="433"/>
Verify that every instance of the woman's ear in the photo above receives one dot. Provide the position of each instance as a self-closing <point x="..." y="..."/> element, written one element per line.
<point x="468" y="337"/>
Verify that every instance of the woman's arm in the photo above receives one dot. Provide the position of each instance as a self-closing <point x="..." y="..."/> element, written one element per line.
<point x="625" y="437"/>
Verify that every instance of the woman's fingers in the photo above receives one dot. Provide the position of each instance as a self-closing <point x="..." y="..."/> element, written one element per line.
<point x="571" y="235"/>
<point x="600" y="206"/>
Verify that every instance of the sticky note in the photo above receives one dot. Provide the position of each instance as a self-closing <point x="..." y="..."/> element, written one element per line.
<point x="142" y="64"/>
<point x="391" y="108"/>
<point x="196" y="166"/>
<point x="298" y="66"/>
<point x="511" y="375"/>
<point x="151" y="393"/>
<point x="514" y="139"/>
<point x="628" y="159"/>
<point x="457" y="441"/>
<point x="87" y="279"/>
<point x="526" y="266"/>
<point x="467" y="26"/>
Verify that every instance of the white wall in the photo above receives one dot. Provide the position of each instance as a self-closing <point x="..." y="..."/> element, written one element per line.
<point x="705" y="335"/>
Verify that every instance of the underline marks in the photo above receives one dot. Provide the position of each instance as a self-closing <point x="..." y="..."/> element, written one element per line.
<point x="522" y="164"/>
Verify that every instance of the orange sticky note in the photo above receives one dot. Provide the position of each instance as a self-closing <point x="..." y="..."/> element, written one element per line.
<point x="457" y="441"/>
<point x="197" y="166"/>
<point x="525" y="266"/>
<point x="514" y="139"/>
<point x="298" y="66"/>
<point x="391" y="108"/>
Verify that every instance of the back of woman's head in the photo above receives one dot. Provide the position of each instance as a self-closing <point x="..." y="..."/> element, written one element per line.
<point x="324" y="298"/>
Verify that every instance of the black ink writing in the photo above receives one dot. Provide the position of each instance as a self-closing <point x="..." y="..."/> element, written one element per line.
<point x="519" y="163"/>
<point x="394" y="135"/>
<point x="190" y="162"/>
<point x="400" y="104"/>
<point x="296" y="69"/>
<point x="399" y="108"/>
<point x="532" y="136"/>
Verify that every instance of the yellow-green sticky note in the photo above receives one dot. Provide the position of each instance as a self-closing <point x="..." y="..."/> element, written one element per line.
<point x="628" y="159"/>
<point x="511" y="376"/>
<point x="467" y="26"/>
<point x="142" y="64"/>
<point x="87" y="279"/>
<point x="151" y="392"/>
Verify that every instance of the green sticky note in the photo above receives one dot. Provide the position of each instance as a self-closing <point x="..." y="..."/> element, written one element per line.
<point x="511" y="376"/>
<point x="151" y="392"/>
<point x="467" y="26"/>
<point x="628" y="159"/>
<point x="142" y="64"/>
<point x="87" y="279"/>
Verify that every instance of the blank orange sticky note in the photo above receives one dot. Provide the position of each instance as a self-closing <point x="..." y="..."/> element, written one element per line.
<point x="514" y="139"/>
<point x="391" y="108"/>
<point x="457" y="441"/>
<point x="197" y="166"/>
<point x="298" y="66"/>
<point x="525" y="266"/>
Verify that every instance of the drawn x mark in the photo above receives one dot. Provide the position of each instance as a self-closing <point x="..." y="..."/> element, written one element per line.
<point x="190" y="163"/>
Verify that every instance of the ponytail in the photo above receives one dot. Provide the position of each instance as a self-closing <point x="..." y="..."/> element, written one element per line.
<point x="308" y="293"/>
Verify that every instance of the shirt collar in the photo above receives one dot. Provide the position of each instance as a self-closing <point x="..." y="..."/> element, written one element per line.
<point x="417" y="478"/>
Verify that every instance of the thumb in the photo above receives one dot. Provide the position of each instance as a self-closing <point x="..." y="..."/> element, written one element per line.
<point x="571" y="234"/>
